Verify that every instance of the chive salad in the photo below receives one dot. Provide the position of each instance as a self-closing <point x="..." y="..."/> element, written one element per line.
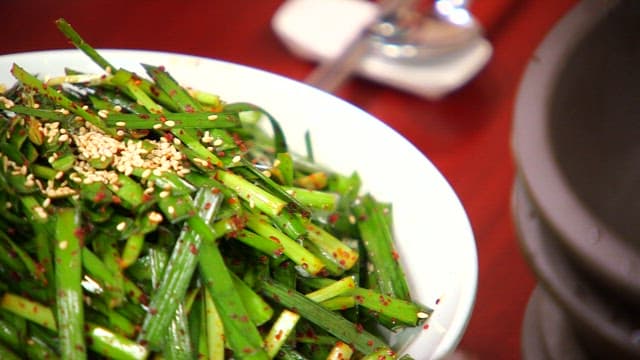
<point x="144" y="219"/>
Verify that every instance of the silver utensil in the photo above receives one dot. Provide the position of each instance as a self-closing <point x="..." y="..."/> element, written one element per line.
<point x="330" y="74"/>
<point x="417" y="36"/>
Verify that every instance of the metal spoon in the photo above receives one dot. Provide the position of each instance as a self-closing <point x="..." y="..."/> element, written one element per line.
<point x="418" y="35"/>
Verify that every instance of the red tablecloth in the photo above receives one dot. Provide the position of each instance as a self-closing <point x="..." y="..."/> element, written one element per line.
<point x="467" y="135"/>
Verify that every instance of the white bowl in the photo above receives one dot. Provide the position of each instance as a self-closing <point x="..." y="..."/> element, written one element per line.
<point x="434" y="236"/>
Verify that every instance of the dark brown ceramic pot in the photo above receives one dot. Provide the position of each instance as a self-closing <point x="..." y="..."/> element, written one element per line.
<point x="570" y="314"/>
<point x="576" y="139"/>
<point x="576" y="142"/>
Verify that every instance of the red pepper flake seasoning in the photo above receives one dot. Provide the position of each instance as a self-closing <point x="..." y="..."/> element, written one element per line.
<point x="370" y="343"/>
<point x="100" y="195"/>
<point x="153" y="311"/>
<point x="80" y="233"/>
<point x="193" y="249"/>
<point x="359" y="328"/>
<point x="333" y="218"/>
<point x="395" y="255"/>
<point x="425" y="326"/>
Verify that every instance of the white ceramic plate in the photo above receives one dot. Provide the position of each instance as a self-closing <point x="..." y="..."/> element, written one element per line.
<point x="434" y="236"/>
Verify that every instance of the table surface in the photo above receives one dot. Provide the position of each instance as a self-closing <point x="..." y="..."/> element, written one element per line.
<point x="466" y="135"/>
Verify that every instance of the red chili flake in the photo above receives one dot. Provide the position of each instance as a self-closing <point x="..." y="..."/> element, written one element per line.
<point x="147" y="197"/>
<point x="232" y="201"/>
<point x="274" y="239"/>
<point x="100" y="195"/>
<point x="172" y="92"/>
<point x="278" y="252"/>
<point x="247" y="350"/>
<point x="162" y="118"/>
<point x="154" y="91"/>
<point x="143" y="342"/>
<point x="425" y="326"/>
<point x="279" y="335"/>
<point x="238" y="222"/>
<point x="80" y="233"/>
<point x="437" y="301"/>
<point x="359" y="328"/>
<point x="359" y="299"/>
<point x="395" y="255"/>
<point x="143" y="116"/>
<point x="153" y="311"/>
<point x="370" y="342"/>
<point x="207" y="206"/>
<point x="116" y="200"/>
<point x="193" y="249"/>
<point x="362" y="217"/>
<point x="188" y="108"/>
<point x="333" y="218"/>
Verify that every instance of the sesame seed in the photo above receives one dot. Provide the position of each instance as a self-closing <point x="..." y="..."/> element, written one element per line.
<point x="120" y="133"/>
<point x="212" y="117"/>
<point x="29" y="182"/>
<point x="63" y="244"/>
<point x="8" y="103"/>
<point x="46" y="203"/>
<point x="422" y="315"/>
<point x="63" y="138"/>
<point x="177" y="142"/>
<point x="252" y="204"/>
<point x="121" y="124"/>
<point x="36" y="106"/>
<point x="266" y="173"/>
<point x="352" y="219"/>
<point x="218" y="142"/>
<point x="121" y="226"/>
<point x="276" y="163"/>
<point x="155" y="217"/>
<point x="117" y="108"/>
<point x="200" y="162"/>
<point x="170" y="123"/>
<point x="85" y="107"/>
<point x="40" y="212"/>
<point x="157" y="126"/>
<point x="146" y="173"/>
<point x="236" y="159"/>
<point x="59" y="175"/>
<point x="8" y="205"/>
<point x="164" y="194"/>
<point x="171" y="210"/>
<point x="104" y="113"/>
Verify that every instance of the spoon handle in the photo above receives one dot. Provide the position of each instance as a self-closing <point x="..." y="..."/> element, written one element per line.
<point x="330" y="74"/>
